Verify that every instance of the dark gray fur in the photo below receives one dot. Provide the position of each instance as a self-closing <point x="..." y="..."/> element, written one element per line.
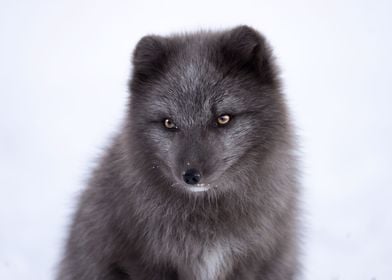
<point x="137" y="220"/>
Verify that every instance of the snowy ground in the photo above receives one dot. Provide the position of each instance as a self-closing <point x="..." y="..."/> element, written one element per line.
<point x="63" y="72"/>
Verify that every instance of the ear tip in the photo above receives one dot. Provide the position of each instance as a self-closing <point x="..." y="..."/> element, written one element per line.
<point x="149" y="41"/>
<point x="147" y="47"/>
<point x="248" y="31"/>
<point x="244" y="28"/>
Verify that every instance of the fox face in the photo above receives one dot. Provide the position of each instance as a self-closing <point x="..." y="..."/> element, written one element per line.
<point x="201" y="105"/>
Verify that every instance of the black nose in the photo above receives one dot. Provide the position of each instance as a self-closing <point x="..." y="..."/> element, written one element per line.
<point x="192" y="176"/>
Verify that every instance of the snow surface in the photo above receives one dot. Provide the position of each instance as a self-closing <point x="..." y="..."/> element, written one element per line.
<point x="64" y="66"/>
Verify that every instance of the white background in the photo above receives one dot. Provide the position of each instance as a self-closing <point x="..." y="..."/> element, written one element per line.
<point x="64" y="66"/>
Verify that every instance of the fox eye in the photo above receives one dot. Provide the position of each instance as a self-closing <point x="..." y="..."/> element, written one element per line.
<point x="223" y="120"/>
<point x="169" y="124"/>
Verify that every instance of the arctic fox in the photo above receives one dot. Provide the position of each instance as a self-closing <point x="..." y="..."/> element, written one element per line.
<point x="201" y="182"/>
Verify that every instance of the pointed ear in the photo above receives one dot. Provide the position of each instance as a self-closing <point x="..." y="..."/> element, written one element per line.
<point x="245" y="49"/>
<point x="149" y="58"/>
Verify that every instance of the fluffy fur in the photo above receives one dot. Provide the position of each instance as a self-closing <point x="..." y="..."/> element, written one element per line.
<point x="137" y="219"/>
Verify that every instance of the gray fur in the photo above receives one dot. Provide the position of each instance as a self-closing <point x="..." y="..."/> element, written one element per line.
<point x="138" y="220"/>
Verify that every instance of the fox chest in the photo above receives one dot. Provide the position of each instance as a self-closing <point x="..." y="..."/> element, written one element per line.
<point x="213" y="263"/>
<point x="194" y="257"/>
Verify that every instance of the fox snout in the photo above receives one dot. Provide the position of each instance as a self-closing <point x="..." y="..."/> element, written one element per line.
<point x="191" y="176"/>
<point x="194" y="160"/>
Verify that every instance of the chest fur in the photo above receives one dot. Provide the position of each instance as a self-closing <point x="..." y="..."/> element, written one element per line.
<point x="212" y="264"/>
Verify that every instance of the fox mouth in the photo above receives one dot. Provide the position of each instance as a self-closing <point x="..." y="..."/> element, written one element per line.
<point x="199" y="188"/>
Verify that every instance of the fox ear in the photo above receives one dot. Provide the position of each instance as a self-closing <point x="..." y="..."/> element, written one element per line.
<point x="149" y="58"/>
<point x="246" y="49"/>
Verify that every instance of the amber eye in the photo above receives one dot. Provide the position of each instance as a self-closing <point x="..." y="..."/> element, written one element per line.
<point x="169" y="124"/>
<point x="223" y="119"/>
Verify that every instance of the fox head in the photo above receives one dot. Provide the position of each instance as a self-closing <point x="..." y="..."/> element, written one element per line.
<point x="204" y="106"/>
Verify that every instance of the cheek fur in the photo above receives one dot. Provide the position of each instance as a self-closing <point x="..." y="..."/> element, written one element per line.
<point x="158" y="142"/>
<point x="237" y="140"/>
